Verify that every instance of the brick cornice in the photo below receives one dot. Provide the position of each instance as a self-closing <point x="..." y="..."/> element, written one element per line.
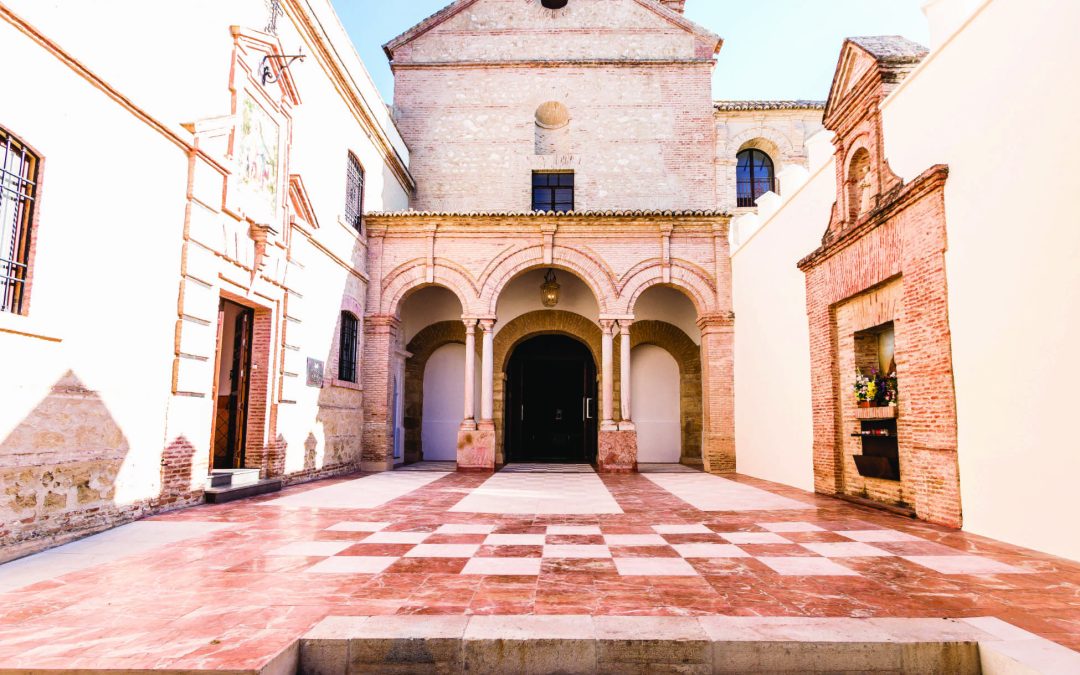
<point x="931" y="180"/>
<point x="554" y="63"/>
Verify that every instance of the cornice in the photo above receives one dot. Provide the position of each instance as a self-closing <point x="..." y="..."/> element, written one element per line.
<point x="931" y="180"/>
<point x="554" y="63"/>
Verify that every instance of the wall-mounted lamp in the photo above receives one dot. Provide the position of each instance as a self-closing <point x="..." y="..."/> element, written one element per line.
<point x="283" y="62"/>
<point x="549" y="290"/>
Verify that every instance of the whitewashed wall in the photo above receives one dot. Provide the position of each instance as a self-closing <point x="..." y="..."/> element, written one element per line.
<point x="773" y="428"/>
<point x="654" y="378"/>
<point x="998" y="103"/>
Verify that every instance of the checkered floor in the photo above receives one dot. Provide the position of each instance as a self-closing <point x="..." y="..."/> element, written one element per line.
<point x="665" y="549"/>
<point x="524" y="467"/>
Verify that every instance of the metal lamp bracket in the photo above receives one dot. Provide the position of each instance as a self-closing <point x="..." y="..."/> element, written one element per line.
<point x="283" y="61"/>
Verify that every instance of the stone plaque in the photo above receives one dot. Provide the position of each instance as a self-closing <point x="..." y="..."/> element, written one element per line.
<point x="314" y="373"/>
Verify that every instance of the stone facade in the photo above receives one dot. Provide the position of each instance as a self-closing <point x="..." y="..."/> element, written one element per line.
<point x="882" y="262"/>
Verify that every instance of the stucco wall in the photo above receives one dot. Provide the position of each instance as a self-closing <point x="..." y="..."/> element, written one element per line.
<point x="1003" y="119"/>
<point x="773" y="431"/>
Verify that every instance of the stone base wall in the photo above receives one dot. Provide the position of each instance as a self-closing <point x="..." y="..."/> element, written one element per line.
<point x="617" y="452"/>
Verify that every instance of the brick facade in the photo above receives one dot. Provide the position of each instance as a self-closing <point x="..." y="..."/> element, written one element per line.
<point x="882" y="261"/>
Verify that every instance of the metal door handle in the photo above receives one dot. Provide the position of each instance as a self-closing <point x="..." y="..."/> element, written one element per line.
<point x="588" y="406"/>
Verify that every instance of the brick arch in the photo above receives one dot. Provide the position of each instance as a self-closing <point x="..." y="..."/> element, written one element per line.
<point x="532" y="324"/>
<point x="590" y="270"/>
<point x="422" y="346"/>
<point x="412" y="276"/>
<point x="691" y="282"/>
<point x="687" y="355"/>
<point x="781" y="142"/>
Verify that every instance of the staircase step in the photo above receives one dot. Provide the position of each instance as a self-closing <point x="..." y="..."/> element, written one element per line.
<point x="219" y="479"/>
<point x="220" y="495"/>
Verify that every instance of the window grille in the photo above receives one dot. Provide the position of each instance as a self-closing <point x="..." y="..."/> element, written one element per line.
<point x="755" y="176"/>
<point x="350" y="327"/>
<point x="553" y="192"/>
<point x="17" y="172"/>
<point x="354" y="194"/>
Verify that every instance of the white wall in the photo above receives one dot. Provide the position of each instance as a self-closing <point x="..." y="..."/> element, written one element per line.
<point x="773" y="425"/>
<point x="661" y="303"/>
<point x="444" y="398"/>
<point x="427" y="306"/>
<point x="998" y="104"/>
<point x="654" y="379"/>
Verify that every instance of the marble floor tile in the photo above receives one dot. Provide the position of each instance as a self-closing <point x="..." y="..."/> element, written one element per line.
<point x="352" y="565"/>
<point x="503" y="566"/>
<point x="661" y="567"/>
<point x="710" y="551"/>
<point x="807" y="567"/>
<point x="851" y="549"/>
<point x="964" y="564"/>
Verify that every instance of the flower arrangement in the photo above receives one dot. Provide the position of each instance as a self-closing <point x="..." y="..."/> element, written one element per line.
<point x="875" y="389"/>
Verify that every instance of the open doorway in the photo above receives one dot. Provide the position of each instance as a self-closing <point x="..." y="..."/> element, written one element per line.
<point x="232" y="385"/>
<point x="551" y="402"/>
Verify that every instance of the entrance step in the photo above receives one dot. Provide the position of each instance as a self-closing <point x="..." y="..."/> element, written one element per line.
<point x="639" y="644"/>
<point x="220" y="495"/>
<point x="232" y="477"/>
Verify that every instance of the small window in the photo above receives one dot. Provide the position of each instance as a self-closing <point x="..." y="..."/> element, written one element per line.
<point x="553" y="191"/>
<point x="18" y="172"/>
<point x="554" y="4"/>
<point x="755" y="177"/>
<point x="354" y="194"/>
<point x="350" y="327"/>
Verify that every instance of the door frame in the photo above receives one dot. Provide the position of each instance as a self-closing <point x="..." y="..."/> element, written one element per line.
<point x="239" y="458"/>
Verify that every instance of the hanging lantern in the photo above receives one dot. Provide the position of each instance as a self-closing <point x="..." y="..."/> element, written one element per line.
<point x="549" y="290"/>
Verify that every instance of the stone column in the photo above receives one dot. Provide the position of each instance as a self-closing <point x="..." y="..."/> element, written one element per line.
<point x="607" y="375"/>
<point x="627" y="423"/>
<point x="469" y="419"/>
<point x="487" y="371"/>
<point x="617" y="451"/>
<point x="476" y="446"/>
<point x="718" y="391"/>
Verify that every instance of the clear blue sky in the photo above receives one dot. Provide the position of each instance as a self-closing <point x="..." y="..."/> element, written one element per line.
<point x="773" y="49"/>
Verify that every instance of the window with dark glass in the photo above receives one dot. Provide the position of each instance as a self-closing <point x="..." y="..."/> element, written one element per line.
<point x="552" y="191"/>
<point x="350" y="327"/>
<point x="18" y="169"/>
<point x="354" y="193"/>
<point x="754" y="176"/>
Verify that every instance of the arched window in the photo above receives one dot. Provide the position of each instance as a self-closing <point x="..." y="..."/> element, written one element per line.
<point x="354" y="193"/>
<point x="754" y="176"/>
<point x="350" y="328"/>
<point x="18" y="190"/>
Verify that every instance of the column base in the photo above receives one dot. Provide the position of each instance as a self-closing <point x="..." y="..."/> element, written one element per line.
<point x="476" y="447"/>
<point x="718" y="453"/>
<point x="617" y="452"/>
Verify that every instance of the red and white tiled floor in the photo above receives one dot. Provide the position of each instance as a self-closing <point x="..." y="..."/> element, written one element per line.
<point x="229" y="586"/>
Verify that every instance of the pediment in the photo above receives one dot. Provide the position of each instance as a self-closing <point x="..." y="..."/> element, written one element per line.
<point x="524" y="30"/>
<point x="891" y="57"/>
<point x="300" y="203"/>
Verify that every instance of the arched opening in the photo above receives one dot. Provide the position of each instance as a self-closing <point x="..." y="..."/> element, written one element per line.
<point x="421" y="409"/>
<point x="665" y="319"/>
<point x="655" y="407"/>
<point x="860" y="184"/>
<point x="755" y="174"/>
<point x="550" y="412"/>
<point x="443" y="399"/>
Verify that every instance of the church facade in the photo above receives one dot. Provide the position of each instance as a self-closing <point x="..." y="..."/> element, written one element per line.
<point x="556" y="245"/>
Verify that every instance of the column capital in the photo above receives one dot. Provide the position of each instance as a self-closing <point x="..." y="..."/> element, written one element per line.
<point x="716" y="320"/>
<point x="387" y="320"/>
<point x="470" y="325"/>
<point x="486" y="325"/>
<point x="607" y="326"/>
<point x="624" y="325"/>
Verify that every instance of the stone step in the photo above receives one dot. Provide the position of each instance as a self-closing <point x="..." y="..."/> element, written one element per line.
<point x="220" y="495"/>
<point x="637" y="644"/>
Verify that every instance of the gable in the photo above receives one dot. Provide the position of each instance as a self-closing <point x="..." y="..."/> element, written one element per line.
<point x="891" y="57"/>
<point x="853" y="65"/>
<point x="523" y="30"/>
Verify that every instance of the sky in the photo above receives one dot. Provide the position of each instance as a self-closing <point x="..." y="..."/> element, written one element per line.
<point x="773" y="49"/>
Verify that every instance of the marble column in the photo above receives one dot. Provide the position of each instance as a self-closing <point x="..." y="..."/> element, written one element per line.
<point x="627" y="423"/>
<point x="607" y="375"/>
<point x="487" y="368"/>
<point x="469" y="419"/>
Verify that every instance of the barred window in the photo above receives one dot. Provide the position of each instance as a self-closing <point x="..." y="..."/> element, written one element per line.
<point x="18" y="169"/>
<point x="354" y="193"/>
<point x="350" y="327"/>
<point x="755" y="177"/>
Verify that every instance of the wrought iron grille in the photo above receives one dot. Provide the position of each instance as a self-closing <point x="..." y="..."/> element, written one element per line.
<point x="17" y="171"/>
<point x="350" y="326"/>
<point x="354" y="194"/>
<point x="553" y="192"/>
<point x="754" y="177"/>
